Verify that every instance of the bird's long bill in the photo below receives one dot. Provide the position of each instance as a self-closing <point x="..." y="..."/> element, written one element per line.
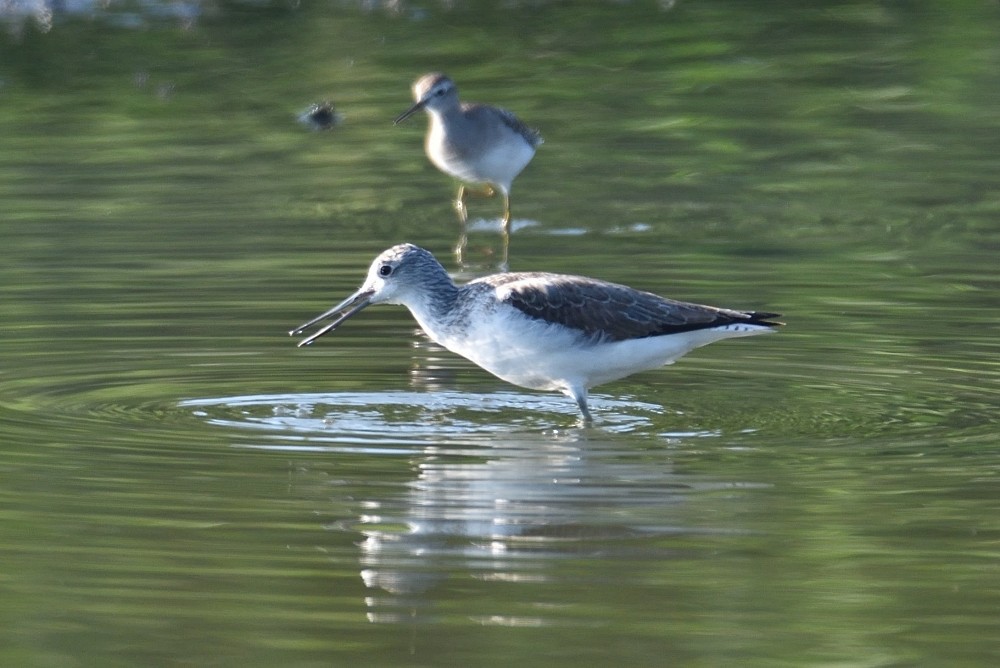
<point x="409" y="112"/>
<point x="355" y="303"/>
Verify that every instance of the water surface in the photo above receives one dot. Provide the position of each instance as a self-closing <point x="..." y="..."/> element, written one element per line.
<point x="182" y="485"/>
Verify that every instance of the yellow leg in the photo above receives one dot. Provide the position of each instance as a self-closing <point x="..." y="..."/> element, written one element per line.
<point x="483" y="190"/>
<point x="505" y="233"/>
<point x="460" y="208"/>
<point x="506" y="214"/>
<point x="463" y="215"/>
<point x="463" y="194"/>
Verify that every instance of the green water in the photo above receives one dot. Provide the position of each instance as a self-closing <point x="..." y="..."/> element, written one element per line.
<point x="181" y="485"/>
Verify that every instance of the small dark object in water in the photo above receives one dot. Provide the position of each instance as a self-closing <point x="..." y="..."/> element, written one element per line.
<point x="320" y="116"/>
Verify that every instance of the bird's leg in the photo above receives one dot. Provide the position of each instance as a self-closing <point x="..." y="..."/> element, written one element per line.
<point x="504" y="265"/>
<point x="463" y="216"/>
<point x="506" y="214"/>
<point x="481" y="190"/>
<point x="579" y="395"/>
<point x="505" y="237"/>
<point x="463" y="234"/>
<point x="460" y="245"/>
<point x="460" y="208"/>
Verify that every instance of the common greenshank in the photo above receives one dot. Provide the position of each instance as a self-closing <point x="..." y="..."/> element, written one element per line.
<point x="538" y="330"/>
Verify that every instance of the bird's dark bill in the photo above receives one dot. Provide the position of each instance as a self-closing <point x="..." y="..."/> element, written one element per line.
<point x="354" y="305"/>
<point x="409" y="112"/>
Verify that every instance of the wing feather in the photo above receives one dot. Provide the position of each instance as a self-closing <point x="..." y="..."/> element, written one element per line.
<point x="603" y="311"/>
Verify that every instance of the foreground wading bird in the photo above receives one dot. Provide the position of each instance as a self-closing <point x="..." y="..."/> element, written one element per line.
<point x="477" y="144"/>
<point x="542" y="331"/>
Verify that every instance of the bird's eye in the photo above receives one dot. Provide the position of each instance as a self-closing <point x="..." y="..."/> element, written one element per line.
<point x="385" y="270"/>
<point x="439" y="92"/>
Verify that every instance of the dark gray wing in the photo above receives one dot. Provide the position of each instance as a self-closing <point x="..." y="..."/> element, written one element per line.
<point x="604" y="311"/>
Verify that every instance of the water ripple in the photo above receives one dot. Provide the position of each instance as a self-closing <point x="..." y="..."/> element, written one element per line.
<point x="403" y="416"/>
